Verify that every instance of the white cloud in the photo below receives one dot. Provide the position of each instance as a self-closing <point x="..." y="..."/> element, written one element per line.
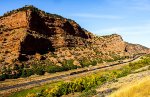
<point x="143" y="5"/>
<point x="141" y="8"/>
<point x="96" y="16"/>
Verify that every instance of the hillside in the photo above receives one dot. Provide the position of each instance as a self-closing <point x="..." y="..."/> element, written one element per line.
<point x="29" y="36"/>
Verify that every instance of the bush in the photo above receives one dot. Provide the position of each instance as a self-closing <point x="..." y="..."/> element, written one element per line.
<point x="24" y="73"/>
<point x="124" y="72"/>
<point x="29" y="72"/>
<point x="93" y="63"/>
<point x="53" y="69"/>
<point x="86" y="62"/>
<point x="77" y="85"/>
<point x="89" y="93"/>
<point x="13" y="76"/>
<point x="68" y="65"/>
<point x="39" y="71"/>
<point x="3" y="77"/>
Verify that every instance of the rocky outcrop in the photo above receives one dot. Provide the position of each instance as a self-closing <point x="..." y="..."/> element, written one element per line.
<point x="28" y="31"/>
<point x="108" y="43"/>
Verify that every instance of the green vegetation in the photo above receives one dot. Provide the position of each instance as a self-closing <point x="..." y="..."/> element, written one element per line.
<point x="26" y="72"/>
<point x="33" y="90"/>
<point x="86" y="62"/>
<point x="68" y="65"/>
<point x="88" y="93"/>
<point x="87" y="83"/>
<point x="53" y="69"/>
<point x="40" y="67"/>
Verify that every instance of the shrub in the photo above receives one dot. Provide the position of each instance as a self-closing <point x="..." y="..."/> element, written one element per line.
<point x="89" y="93"/>
<point x="39" y="71"/>
<point x="86" y="62"/>
<point x="93" y="63"/>
<point x="29" y="72"/>
<point x="68" y="65"/>
<point x="3" y="77"/>
<point x="24" y="73"/>
<point x="77" y="85"/>
<point x="53" y="69"/>
<point x="13" y="76"/>
<point x="124" y="72"/>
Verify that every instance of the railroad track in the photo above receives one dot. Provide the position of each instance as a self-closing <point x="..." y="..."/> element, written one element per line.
<point x="37" y="82"/>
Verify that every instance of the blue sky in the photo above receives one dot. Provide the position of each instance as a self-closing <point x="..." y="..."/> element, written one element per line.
<point x="129" y="18"/>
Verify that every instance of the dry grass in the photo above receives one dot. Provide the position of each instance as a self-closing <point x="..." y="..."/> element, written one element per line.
<point x="136" y="89"/>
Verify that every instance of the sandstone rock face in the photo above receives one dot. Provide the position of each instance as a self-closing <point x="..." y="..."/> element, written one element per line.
<point x="28" y="32"/>
<point x="112" y="43"/>
<point x="14" y="21"/>
<point x="31" y="31"/>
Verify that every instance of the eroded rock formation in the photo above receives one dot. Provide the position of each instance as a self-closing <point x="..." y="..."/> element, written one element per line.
<point x="27" y="31"/>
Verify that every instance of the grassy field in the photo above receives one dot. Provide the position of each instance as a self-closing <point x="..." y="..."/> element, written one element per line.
<point x="137" y="89"/>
